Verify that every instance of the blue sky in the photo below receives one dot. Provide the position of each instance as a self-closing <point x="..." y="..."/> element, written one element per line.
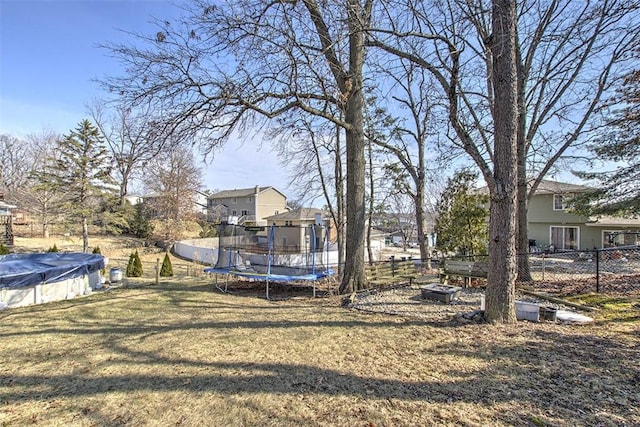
<point x="49" y="57"/>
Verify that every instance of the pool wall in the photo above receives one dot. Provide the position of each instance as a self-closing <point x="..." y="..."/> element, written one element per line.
<point x="27" y="279"/>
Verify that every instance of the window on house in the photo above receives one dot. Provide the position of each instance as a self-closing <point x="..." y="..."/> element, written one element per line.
<point x="235" y="200"/>
<point x="619" y="238"/>
<point x="560" y="202"/>
<point x="234" y="213"/>
<point x="250" y="199"/>
<point x="566" y="238"/>
<point x="245" y="212"/>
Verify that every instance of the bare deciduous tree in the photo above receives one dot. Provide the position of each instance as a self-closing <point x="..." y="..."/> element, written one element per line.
<point x="228" y="67"/>
<point x="133" y="138"/>
<point x="315" y="152"/>
<point x="15" y="158"/>
<point x="435" y="42"/>
<point x="408" y="140"/>
<point x="567" y="54"/>
<point x="172" y="182"/>
<point x="38" y="197"/>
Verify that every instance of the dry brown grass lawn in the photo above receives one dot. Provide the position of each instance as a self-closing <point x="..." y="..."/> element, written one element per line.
<point x="181" y="354"/>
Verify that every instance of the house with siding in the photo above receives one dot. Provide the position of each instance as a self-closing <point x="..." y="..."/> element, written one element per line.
<point x="251" y="206"/>
<point x="296" y="223"/>
<point x="551" y="221"/>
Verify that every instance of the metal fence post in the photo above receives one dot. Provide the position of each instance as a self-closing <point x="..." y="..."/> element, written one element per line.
<point x="393" y="265"/>
<point x="597" y="271"/>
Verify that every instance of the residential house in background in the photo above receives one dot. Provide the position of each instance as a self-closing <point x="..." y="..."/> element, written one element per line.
<point x="551" y="222"/>
<point x="251" y="206"/>
<point x="298" y="222"/>
<point x="20" y="217"/>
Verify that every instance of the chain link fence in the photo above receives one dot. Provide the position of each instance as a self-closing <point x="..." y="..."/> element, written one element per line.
<point x="611" y="270"/>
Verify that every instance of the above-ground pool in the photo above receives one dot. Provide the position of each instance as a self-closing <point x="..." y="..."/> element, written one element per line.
<point x="38" y="278"/>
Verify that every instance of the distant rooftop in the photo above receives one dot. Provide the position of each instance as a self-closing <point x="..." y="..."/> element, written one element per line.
<point x="241" y="192"/>
<point x="555" y="187"/>
<point x="308" y="214"/>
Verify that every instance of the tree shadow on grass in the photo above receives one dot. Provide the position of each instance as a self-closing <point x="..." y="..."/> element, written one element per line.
<point x="554" y="374"/>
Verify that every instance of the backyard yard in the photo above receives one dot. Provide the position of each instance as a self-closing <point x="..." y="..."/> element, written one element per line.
<point x="183" y="353"/>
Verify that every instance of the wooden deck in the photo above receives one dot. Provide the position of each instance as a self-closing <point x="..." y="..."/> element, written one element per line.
<point x="6" y="230"/>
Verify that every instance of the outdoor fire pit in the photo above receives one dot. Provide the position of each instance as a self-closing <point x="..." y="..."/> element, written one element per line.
<point x="439" y="292"/>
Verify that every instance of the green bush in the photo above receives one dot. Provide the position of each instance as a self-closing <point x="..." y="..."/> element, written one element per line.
<point x="53" y="248"/>
<point x="167" y="269"/>
<point x="134" y="267"/>
<point x="4" y="250"/>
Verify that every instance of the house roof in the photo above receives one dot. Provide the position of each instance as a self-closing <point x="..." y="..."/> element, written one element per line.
<point x="6" y="206"/>
<point x="300" y="214"/>
<point x="242" y="192"/>
<point x="604" y="221"/>
<point x="554" y="187"/>
<point x="550" y="187"/>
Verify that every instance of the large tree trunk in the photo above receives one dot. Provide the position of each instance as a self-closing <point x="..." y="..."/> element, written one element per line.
<point x="354" y="278"/>
<point x="423" y="238"/>
<point x="339" y="186"/>
<point x="522" y="244"/>
<point x="500" y="292"/>
<point x="123" y="189"/>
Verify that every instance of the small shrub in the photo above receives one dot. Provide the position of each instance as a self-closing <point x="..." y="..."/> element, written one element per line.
<point x="4" y="250"/>
<point x="167" y="268"/>
<point x="53" y="248"/>
<point x="134" y="267"/>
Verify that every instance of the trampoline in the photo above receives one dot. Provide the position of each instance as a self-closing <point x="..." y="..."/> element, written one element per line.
<point x="272" y="254"/>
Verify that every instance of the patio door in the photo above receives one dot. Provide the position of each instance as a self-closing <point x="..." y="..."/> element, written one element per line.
<point x="565" y="238"/>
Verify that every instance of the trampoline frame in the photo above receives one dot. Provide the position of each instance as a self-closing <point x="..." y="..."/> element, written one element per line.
<point x="267" y="277"/>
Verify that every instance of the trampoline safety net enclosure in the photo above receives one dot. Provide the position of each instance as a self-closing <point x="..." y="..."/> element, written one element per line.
<point x="273" y="253"/>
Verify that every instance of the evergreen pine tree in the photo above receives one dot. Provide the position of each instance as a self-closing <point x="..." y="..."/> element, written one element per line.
<point x="461" y="225"/>
<point x="141" y="226"/>
<point x="167" y="268"/>
<point x="129" y="271"/>
<point x="137" y="265"/>
<point x="53" y="248"/>
<point x="4" y="250"/>
<point x="134" y="267"/>
<point x="82" y="172"/>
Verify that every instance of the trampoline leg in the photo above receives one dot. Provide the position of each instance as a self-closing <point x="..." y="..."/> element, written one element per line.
<point x="314" y="288"/>
<point x="267" y="288"/>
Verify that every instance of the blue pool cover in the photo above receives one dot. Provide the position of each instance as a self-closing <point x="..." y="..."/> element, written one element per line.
<point x="20" y="270"/>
